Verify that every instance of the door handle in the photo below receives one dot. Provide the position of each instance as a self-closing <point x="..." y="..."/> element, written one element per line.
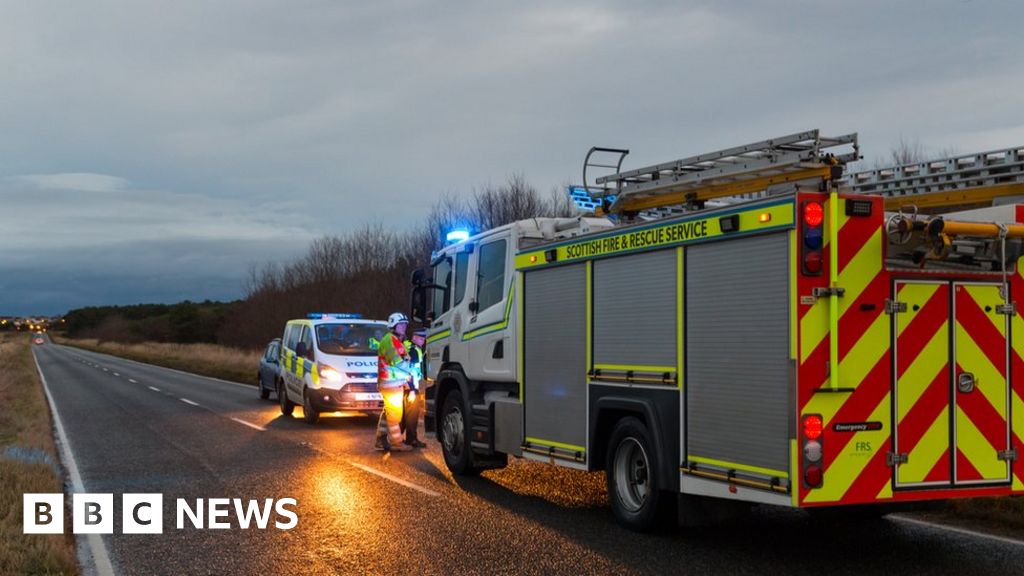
<point x="966" y="382"/>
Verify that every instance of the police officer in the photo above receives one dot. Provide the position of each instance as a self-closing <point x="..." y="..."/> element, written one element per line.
<point x="393" y="372"/>
<point x="413" y="397"/>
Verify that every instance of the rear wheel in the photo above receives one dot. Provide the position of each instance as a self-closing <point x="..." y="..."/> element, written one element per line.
<point x="632" y="464"/>
<point x="454" y="435"/>
<point x="264" y="391"/>
<point x="310" y="414"/>
<point x="287" y="406"/>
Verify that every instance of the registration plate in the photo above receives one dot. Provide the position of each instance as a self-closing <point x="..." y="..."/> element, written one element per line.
<point x="366" y="396"/>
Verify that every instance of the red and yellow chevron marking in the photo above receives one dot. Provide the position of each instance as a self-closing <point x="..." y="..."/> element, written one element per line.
<point x="1017" y="375"/>
<point x="922" y="383"/>
<point x="980" y="349"/>
<point x="851" y="460"/>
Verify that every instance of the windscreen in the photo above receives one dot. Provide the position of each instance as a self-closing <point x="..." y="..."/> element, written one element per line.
<point x="349" y="339"/>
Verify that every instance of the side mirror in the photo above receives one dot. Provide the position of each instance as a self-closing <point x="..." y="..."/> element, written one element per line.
<point x="300" y="350"/>
<point x="474" y="306"/>
<point x="418" y="305"/>
<point x="419" y="277"/>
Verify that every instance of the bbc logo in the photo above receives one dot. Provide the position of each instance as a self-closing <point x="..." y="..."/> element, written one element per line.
<point x="93" y="514"/>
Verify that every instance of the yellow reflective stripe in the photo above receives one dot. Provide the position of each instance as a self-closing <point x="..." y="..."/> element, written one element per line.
<point x="866" y="353"/>
<point x="813" y="327"/>
<point x="438" y="336"/>
<point x="573" y="447"/>
<point x="519" y="337"/>
<point x="662" y="235"/>
<point x="920" y="374"/>
<point x="987" y="378"/>
<point x="736" y="466"/>
<point x="977" y="450"/>
<point x="988" y="296"/>
<point x="1018" y="427"/>
<point x="794" y="453"/>
<point x="679" y="317"/>
<point x="794" y="310"/>
<point x="924" y="455"/>
<point x="848" y="465"/>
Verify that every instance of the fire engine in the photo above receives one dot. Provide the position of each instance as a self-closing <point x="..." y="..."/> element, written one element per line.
<point x="752" y="325"/>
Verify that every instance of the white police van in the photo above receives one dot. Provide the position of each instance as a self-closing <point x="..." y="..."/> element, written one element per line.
<point x="329" y="364"/>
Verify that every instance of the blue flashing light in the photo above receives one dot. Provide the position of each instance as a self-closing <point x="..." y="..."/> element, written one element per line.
<point x="332" y="315"/>
<point x="458" y="235"/>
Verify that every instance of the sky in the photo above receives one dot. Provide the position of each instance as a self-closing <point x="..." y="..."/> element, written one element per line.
<point x="153" y="152"/>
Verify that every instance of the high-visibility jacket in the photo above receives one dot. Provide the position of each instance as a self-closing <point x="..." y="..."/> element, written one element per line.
<point x="390" y="354"/>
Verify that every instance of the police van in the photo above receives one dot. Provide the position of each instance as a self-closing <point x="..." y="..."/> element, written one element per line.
<point x="329" y="364"/>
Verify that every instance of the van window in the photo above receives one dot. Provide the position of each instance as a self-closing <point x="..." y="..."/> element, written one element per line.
<point x="461" y="274"/>
<point x="349" y="339"/>
<point x="291" y="336"/>
<point x="307" y="339"/>
<point x="490" y="282"/>
<point x="443" y="279"/>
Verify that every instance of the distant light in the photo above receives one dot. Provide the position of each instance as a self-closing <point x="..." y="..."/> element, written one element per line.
<point x="460" y="235"/>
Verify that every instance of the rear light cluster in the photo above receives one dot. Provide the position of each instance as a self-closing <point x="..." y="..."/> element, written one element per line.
<point x="813" y="233"/>
<point x="812" y="429"/>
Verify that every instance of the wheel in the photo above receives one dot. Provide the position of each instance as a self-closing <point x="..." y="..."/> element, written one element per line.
<point x="264" y="391"/>
<point x="633" y="489"/>
<point x="310" y="414"/>
<point x="454" y="432"/>
<point x="287" y="406"/>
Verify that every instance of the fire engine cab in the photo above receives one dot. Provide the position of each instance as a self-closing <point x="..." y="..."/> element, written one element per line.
<point x="751" y="325"/>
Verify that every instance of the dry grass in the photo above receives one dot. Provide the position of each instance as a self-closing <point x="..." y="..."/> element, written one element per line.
<point x="207" y="359"/>
<point x="28" y="463"/>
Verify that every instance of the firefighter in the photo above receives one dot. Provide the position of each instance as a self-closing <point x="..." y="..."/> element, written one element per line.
<point x="413" y="399"/>
<point x="393" y="371"/>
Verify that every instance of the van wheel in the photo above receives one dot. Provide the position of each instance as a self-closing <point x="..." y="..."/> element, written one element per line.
<point x="264" y="391"/>
<point x="310" y="414"/>
<point x="454" y="436"/>
<point x="632" y="465"/>
<point x="287" y="406"/>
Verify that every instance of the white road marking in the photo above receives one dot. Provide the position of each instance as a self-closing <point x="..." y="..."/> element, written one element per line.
<point x="116" y="374"/>
<point x="394" y="479"/>
<point x="153" y="388"/>
<point x="100" y="558"/>
<point x="963" y="531"/>
<point x="132" y="381"/>
<point x="249" y="424"/>
<point x="105" y="370"/>
<point x="187" y="401"/>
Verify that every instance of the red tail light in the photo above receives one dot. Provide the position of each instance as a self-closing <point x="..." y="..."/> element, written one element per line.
<point x="812" y="262"/>
<point x="812" y="427"/>
<point x="814" y="214"/>
<point x="813" y="476"/>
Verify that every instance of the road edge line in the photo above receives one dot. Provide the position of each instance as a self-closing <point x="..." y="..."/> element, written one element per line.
<point x="394" y="479"/>
<point x="964" y="531"/>
<point x="100" y="558"/>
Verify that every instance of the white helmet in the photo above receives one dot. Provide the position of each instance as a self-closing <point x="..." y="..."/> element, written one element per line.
<point x="396" y="319"/>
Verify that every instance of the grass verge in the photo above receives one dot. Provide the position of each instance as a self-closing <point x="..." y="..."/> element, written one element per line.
<point x="206" y="359"/>
<point x="28" y="464"/>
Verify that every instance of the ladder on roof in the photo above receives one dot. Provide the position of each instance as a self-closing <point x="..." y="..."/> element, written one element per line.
<point x="959" y="180"/>
<point x="662" y="189"/>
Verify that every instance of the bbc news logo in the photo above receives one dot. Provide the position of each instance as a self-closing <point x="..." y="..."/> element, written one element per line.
<point x="144" y="513"/>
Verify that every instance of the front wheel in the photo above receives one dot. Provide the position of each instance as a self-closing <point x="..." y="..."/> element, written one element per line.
<point x="310" y="414"/>
<point x="454" y="436"/>
<point x="264" y="391"/>
<point x="632" y="464"/>
<point x="287" y="406"/>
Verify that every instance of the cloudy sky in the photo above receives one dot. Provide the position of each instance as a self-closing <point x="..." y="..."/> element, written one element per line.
<point x="153" y="151"/>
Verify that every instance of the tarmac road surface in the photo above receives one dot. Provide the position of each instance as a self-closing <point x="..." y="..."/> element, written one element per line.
<point x="136" y="428"/>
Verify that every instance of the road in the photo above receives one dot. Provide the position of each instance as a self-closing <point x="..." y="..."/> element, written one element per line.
<point x="139" y="428"/>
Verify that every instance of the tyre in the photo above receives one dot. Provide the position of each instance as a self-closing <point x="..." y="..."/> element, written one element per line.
<point x="310" y="414"/>
<point x="633" y="487"/>
<point x="453" y="432"/>
<point x="287" y="406"/>
<point x="264" y="391"/>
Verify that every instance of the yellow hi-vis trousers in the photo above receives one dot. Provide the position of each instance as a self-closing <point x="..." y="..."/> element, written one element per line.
<point x="390" y="423"/>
